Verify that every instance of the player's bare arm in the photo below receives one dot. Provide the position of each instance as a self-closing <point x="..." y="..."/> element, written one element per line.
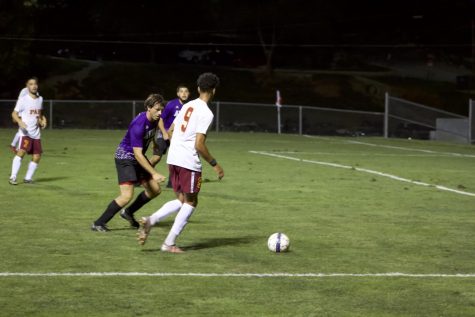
<point x="203" y="151"/>
<point x="146" y="165"/>
<point x="16" y="118"/>
<point x="42" y="120"/>
<point x="155" y="158"/>
<point x="161" y="126"/>
<point x="170" y="131"/>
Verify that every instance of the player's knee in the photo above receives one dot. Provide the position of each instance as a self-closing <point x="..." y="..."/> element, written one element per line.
<point x="154" y="192"/>
<point x="36" y="158"/>
<point x="125" y="198"/>
<point x="20" y="153"/>
<point x="191" y="199"/>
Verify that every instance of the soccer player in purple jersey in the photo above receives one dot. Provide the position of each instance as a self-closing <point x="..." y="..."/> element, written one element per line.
<point x="171" y="110"/>
<point x="169" y="113"/>
<point x="133" y="167"/>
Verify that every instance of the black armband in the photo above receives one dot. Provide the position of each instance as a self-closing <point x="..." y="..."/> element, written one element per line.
<point x="213" y="162"/>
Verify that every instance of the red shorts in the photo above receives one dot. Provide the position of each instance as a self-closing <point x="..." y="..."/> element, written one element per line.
<point x="184" y="180"/>
<point x="30" y="146"/>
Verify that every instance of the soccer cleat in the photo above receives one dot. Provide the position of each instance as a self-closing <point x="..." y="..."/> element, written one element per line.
<point x="144" y="230"/>
<point x="171" y="249"/>
<point x="13" y="181"/>
<point x="99" y="228"/>
<point x="13" y="149"/>
<point x="28" y="181"/>
<point x="125" y="215"/>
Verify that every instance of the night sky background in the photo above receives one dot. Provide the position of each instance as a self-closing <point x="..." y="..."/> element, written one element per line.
<point x="264" y="35"/>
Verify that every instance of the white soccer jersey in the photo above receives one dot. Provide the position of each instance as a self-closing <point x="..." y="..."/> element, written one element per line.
<point x="30" y="109"/>
<point x="24" y="92"/>
<point x="195" y="117"/>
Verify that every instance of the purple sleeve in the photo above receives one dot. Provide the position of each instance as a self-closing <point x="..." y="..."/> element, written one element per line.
<point x="136" y="135"/>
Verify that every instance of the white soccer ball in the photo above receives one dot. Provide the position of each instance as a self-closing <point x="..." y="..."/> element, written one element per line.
<point x="278" y="242"/>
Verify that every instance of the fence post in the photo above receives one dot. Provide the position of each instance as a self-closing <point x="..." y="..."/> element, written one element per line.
<point x="471" y="119"/>
<point x="386" y="115"/>
<point x="51" y="114"/>
<point x="278" y="119"/>
<point x="300" y="120"/>
<point x="217" y="116"/>
<point x="133" y="109"/>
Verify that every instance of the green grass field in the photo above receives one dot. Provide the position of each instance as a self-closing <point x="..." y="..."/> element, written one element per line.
<point x="339" y="221"/>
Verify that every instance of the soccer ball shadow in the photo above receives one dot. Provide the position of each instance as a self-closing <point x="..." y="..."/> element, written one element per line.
<point x="220" y="242"/>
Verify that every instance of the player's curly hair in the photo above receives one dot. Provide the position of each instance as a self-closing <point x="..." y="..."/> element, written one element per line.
<point x="207" y="82"/>
<point x="152" y="99"/>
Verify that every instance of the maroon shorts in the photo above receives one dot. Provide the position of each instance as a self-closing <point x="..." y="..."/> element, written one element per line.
<point x="30" y="146"/>
<point x="184" y="180"/>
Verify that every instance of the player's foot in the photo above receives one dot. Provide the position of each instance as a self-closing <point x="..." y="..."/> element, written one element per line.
<point x="144" y="230"/>
<point x="28" y="181"/>
<point x="133" y="223"/>
<point x="13" y="181"/>
<point x="171" y="249"/>
<point x="13" y="149"/>
<point x="99" y="228"/>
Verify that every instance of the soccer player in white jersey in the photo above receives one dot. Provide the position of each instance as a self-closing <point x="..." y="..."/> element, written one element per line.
<point x="28" y="115"/>
<point x="188" y="137"/>
<point x="16" y="138"/>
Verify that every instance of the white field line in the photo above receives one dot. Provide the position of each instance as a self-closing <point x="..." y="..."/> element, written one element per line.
<point x="394" y="177"/>
<point x="363" y="154"/>
<point x="410" y="149"/>
<point x="247" y="275"/>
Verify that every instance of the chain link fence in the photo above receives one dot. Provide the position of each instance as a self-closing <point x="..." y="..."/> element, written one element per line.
<point x="229" y="116"/>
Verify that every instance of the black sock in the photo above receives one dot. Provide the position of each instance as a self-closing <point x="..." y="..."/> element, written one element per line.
<point x="110" y="211"/>
<point x="141" y="200"/>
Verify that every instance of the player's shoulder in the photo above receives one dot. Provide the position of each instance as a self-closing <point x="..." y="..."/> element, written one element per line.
<point x="171" y="103"/>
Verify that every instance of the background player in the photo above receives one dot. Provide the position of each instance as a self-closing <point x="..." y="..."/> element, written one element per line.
<point x="169" y="114"/>
<point x="188" y="137"/>
<point x="28" y="115"/>
<point x="16" y="138"/>
<point x="133" y="167"/>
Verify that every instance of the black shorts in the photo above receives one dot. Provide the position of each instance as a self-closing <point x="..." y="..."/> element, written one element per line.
<point x="161" y="145"/>
<point x="130" y="172"/>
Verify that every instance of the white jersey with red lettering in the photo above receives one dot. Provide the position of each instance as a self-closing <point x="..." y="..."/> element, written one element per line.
<point x="195" y="117"/>
<point x="29" y="109"/>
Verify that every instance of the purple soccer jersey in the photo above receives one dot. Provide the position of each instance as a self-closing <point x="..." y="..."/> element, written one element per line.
<point x="171" y="110"/>
<point x="139" y="134"/>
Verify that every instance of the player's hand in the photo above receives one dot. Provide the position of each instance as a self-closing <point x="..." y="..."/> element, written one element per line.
<point x="166" y="137"/>
<point x="43" y="124"/>
<point x="219" y="170"/>
<point x="158" y="178"/>
<point x="22" y="125"/>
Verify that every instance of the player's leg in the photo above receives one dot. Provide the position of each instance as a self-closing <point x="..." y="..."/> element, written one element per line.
<point x="152" y="190"/>
<point x="167" y="209"/>
<point x="126" y="194"/>
<point x="36" y="150"/>
<point x="191" y="184"/>
<point x="172" y="206"/>
<point x="25" y="145"/>
<point x="14" y="144"/>
<point x="181" y="220"/>
<point x="127" y="177"/>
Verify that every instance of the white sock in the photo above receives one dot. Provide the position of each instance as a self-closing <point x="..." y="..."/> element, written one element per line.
<point x="180" y="222"/>
<point x="31" y="170"/>
<point x="16" y="166"/>
<point x="15" y="140"/>
<point x="166" y="210"/>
